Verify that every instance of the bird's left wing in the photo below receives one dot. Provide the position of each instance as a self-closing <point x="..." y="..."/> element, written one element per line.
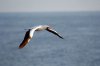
<point x="28" y="36"/>
<point x="26" y="40"/>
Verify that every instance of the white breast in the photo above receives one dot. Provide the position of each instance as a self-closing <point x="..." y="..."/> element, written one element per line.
<point x="32" y="32"/>
<point x="37" y="28"/>
<point x="41" y="27"/>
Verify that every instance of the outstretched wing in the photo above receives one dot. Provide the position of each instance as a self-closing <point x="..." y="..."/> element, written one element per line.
<point x="26" y="39"/>
<point x="54" y="32"/>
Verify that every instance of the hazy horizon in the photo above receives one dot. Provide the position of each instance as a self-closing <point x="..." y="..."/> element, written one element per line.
<point x="49" y="5"/>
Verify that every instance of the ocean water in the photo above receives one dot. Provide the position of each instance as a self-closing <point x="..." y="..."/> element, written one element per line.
<point x="80" y="47"/>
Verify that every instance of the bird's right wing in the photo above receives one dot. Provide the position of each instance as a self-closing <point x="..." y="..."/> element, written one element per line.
<point x="54" y="32"/>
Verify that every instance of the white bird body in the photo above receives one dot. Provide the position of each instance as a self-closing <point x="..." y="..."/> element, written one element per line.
<point x="37" y="28"/>
<point x="40" y="27"/>
<point x="30" y="32"/>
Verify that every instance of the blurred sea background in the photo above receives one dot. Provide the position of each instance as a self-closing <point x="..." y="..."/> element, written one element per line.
<point x="80" y="47"/>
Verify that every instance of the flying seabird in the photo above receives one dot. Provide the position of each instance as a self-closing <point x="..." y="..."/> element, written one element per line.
<point x="30" y="32"/>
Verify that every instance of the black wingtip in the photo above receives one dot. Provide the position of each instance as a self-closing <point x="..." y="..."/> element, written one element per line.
<point x="61" y="37"/>
<point x="20" y="47"/>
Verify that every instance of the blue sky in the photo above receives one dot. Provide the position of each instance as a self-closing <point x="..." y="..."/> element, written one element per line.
<point x="48" y="5"/>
